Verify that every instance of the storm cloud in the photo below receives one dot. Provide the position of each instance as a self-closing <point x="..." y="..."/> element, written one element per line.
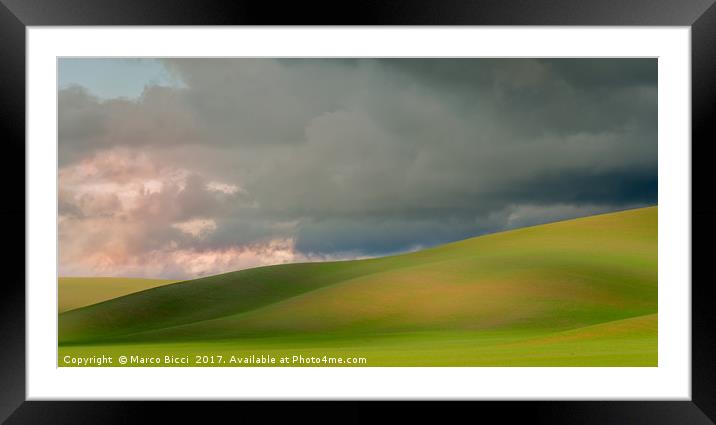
<point x="262" y="161"/>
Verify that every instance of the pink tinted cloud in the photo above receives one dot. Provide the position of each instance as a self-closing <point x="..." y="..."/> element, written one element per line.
<point x="171" y="262"/>
<point x="127" y="214"/>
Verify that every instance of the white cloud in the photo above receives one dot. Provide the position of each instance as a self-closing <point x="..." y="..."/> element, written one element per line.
<point x="226" y="188"/>
<point x="197" y="227"/>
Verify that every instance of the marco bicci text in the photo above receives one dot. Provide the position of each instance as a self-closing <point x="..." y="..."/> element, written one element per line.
<point x="209" y="360"/>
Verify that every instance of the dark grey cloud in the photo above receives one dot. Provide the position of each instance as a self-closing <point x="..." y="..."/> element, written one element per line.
<point x="369" y="156"/>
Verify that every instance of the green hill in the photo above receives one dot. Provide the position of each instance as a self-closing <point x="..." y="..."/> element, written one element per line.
<point x="76" y="292"/>
<point x="585" y="277"/>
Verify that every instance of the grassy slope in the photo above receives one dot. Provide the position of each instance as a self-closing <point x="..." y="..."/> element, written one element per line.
<point x="76" y="292"/>
<point x="628" y="342"/>
<point x="502" y="289"/>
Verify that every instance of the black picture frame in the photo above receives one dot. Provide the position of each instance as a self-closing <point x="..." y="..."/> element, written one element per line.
<point x="16" y="15"/>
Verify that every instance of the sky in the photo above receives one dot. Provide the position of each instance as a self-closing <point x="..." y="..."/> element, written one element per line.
<point x="180" y="168"/>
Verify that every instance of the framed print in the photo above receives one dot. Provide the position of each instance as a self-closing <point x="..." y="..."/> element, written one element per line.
<point x="414" y="202"/>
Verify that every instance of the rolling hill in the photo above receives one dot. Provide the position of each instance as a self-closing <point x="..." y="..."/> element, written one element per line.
<point x="576" y="292"/>
<point x="76" y="292"/>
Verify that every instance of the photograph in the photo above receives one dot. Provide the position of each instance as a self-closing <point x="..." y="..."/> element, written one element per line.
<point x="417" y="203"/>
<point x="357" y="212"/>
